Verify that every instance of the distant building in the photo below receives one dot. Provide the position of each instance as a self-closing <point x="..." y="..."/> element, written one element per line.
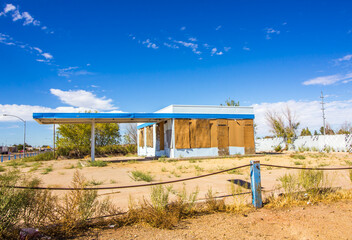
<point x="193" y="131"/>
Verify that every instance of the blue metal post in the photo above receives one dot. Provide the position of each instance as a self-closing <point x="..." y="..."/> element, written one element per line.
<point x="2" y="158"/>
<point x="14" y="156"/>
<point x="9" y="157"/>
<point x="256" y="184"/>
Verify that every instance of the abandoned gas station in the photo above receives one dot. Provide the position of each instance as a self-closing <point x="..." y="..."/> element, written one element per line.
<point x="176" y="131"/>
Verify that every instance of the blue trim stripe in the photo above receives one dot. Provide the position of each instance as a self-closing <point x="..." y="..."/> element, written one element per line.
<point x="138" y="116"/>
<point x="144" y="125"/>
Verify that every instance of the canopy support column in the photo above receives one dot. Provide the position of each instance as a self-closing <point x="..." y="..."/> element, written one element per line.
<point x="92" y="150"/>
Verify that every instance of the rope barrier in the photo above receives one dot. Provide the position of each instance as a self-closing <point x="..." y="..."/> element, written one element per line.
<point x="172" y="181"/>
<point x="129" y="186"/>
<point x="304" y="168"/>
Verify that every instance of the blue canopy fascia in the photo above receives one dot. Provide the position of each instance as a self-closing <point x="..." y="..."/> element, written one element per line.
<point x="62" y="118"/>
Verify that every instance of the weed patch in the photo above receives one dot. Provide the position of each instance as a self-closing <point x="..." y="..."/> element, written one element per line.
<point x="97" y="163"/>
<point x="141" y="176"/>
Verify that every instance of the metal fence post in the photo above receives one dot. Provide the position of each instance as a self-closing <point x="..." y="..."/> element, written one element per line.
<point x="2" y="158"/>
<point x="256" y="184"/>
<point x="9" y="157"/>
<point x="14" y="157"/>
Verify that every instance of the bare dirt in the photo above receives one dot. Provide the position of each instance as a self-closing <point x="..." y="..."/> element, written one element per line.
<point x="322" y="221"/>
<point x="119" y="173"/>
<point x="333" y="221"/>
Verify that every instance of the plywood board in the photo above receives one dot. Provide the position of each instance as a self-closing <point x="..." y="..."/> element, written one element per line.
<point x="203" y="133"/>
<point x="223" y="137"/>
<point x="141" y="137"/>
<point x="182" y="133"/>
<point x="213" y="133"/>
<point x="160" y="135"/>
<point x="236" y="133"/>
<point x="149" y="136"/>
<point x="192" y="133"/>
<point x="249" y="137"/>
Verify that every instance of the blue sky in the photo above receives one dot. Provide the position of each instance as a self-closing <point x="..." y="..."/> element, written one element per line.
<point x="140" y="56"/>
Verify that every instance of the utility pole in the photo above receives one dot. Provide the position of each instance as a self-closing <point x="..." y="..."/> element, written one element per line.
<point x="323" y="109"/>
<point x="54" y="141"/>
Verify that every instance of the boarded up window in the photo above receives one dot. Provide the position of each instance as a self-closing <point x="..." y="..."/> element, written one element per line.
<point x="150" y="136"/>
<point x="236" y="133"/>
<point x="202" y="133"/>
<point x="249" y="137"/>
<point x="160" y="135"/>
<point x="182" y="133"/>
<point x="192" y="133"/>
<point x="223" y="137"/>
<point x="141" y="137"/>
<point x="213" y="133"/>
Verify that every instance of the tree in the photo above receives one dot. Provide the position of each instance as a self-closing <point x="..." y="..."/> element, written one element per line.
<point x="346" y="128"/>
<point x="77" y="137"/>
<point x="230" y="102"/>
<point x="306" y="132"/>
<point x="284" y="125"/>
<point x="130" y="136"/>
<point x="328" y="130"/>
<point x="316" y="133"/>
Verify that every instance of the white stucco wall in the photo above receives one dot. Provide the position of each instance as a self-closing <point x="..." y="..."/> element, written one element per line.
<point x="338" y="143"/>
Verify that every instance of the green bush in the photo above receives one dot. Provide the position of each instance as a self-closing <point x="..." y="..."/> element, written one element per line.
<point x="20" y="205"/>
<point x="278" y="148"/>
<point x="47" y="156"/>
<point x="297" y="156"/>
<point x="141" y="176"/>
<point x="98" y="163"/>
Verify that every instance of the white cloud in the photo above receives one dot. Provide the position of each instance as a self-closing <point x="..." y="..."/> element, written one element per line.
<point x="345" y="58"/>
<point x="72" y="71"/>
<point x="83" y="99"/>
<point x="171" y="45"/>
<point x="38" y="49"/>
<point x="9" y="8"/>
<point x="217" y="28"/>
<point x="226" y="49"/>
<point x="7" y="40"/>
<point x="328" y="80"/>
<point x="17" y="15"/>
<point x="308" y="113"/>
<point x="149" y="44"/>
<point x="47" y="55"/>
<point x="270" y="31"/>
<point x="26" y="111"/>
<point x="193" y="39"/>
<point x="246" y="48"/>
<point x="214" y="51"/>
<point x="183" y="28"/>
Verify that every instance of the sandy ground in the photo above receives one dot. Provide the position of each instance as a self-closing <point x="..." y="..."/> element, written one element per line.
<point x="119" y="173"/>
<point x="332" y="221"/>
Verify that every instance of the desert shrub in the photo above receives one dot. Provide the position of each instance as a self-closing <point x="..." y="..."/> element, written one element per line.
<point x="278" y="148"/>
<point x="297" y="156"/>
<point x="297" y="163"/>
<point x="212" y="204"/>
<point x="311" y="180"/>
<point x="2" y="169"/>
<point x="47" y="156"/>
<point x="141" y="176"/>
<point x="77" y="207"/>
<point x="18" y="205"/>
<point x="289" y="183"/>
<point x="303" y="149"/>
<point x="97" y="163"/>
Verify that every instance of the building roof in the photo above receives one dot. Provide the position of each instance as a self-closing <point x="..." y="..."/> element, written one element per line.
<point x="172" y="111"/>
